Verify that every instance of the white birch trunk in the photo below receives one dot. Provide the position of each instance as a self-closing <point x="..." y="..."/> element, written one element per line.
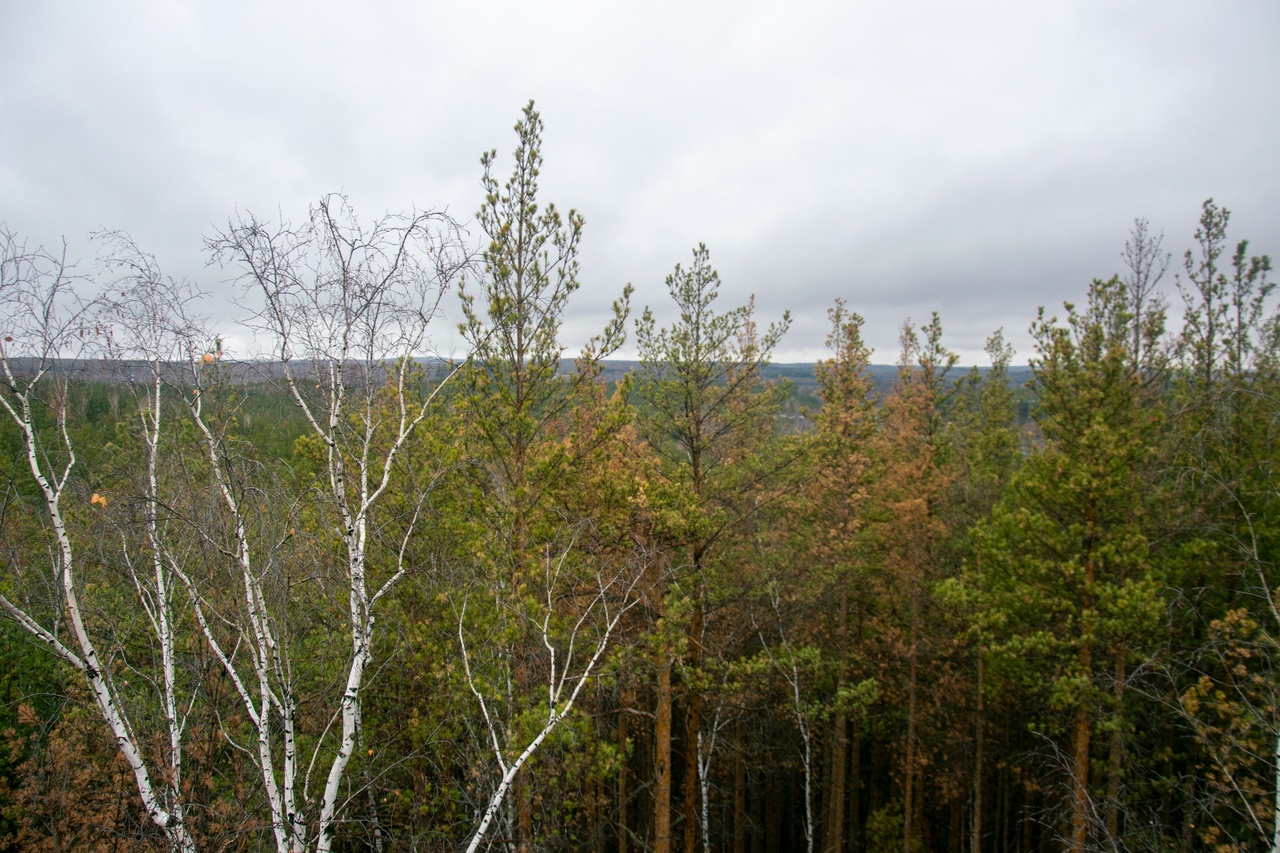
<point x="561" y="675"/>
<point x="704" y="775"/>
<point x="88" y="661"/>
<point x="1275" y="801"/>
<point x="161" y="612"/>
<point x="792" y="676"/>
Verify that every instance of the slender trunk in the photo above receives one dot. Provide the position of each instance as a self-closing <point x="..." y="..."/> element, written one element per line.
<point x="1002" y="808"/>
<point x="756" y="809"/>
<point x="1028" y="822"/>
<point x="806" y="757"/>
<point x="524" y="814"/>
<point x="835" y="813"/>
<point x="739" y="800"/>
<point x="361" y="639"/>
<point x="1275" y="802"/>
<point x="332" y="788"/>
<point x="1080" y="772"/>
<point x="879" y="775"/>
<point x="855" y="787"/>
<point x="1115" y="760"/>
<point x="975" y="839"/>
<point x="179" y="838"/>
<point x="662" y="761"/>
<point x="622" y="779"/>
<point x="908" y="807"/>
<point x="826" y="749"/>
<point x="693" y="721"/>
<point x="599" y="815"/>
<point x="371" y="799"/>
<point x="520" y="792"/>
<point x="1189" y="806"/>
<point x="773" y="814"/>
<point x="704" y="785"/>
<point x="839" y="740"/>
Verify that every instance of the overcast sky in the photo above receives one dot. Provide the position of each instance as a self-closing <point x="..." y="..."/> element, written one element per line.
<point x="976" y="158"/>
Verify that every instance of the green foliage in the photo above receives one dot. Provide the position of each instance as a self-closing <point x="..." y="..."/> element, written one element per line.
<point x="1066" y="556"/>
<point x="702" y="408"/>
<point x="884" y="830"/>
<point x="515" y="389"/>
<point x="923" y="586"/>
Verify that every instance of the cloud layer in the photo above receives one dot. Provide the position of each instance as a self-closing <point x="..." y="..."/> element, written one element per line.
<point x="978" y="159"/>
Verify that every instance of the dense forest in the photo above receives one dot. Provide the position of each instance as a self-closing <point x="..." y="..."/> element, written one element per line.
<point x="351" y="598"/>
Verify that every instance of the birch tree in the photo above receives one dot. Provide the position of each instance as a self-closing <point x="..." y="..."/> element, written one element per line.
<point x="48" y="327"/>
<point x="573" y="649"/>
<point x="345" y="308"/>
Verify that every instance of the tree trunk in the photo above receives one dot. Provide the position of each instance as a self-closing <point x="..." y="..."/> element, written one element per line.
<point x="1028" y="822"/>
<point x="908" y="807"/>
<point x="622" y="779"/>
<point x="693" y="721"/>
<point x="1080" y="777"/>
<point x="759" y="817"/>
<point x="975" y="839"/>
<point x="855" y="788"/>
<point x="1189" y="805"/>
<point x="879" y="775"/>
<point x="772" y="813"/>
<point x="739" y="801"/>
<point x="524" y="813"/>
<point x="662" y="762"/>
<point x="1115" y="761"/>
<point x="520" y="572"/>
<point x="599" y="803"/>
<point x="1080" y="771"/>
<point x="1002" y="807"/>
<point x="834" y="840"/>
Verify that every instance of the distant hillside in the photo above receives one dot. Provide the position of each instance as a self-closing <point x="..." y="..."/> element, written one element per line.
<point x="800" y="374"/>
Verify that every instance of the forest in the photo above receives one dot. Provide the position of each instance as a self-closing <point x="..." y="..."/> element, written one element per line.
<point x="353" y="597"/>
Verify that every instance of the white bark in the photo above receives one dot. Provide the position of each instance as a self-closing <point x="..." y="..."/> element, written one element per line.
<point x="704" y="774"/>
<point x="352" y="305"/>
<point x="562" y="674"/>
<point x="257" y="632"/>
<point x="1275" y="793"/>
<point x="34" y="288"/>
<point x="791" y="673"/>
<point x="359" y="322"/>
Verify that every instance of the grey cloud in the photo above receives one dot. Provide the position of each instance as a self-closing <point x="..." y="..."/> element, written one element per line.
<point x="979" y="159"/>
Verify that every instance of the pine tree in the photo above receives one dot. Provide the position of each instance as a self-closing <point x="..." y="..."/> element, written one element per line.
<point x="912" y="528"/>
<point x="533" y="429"/>
<point x="706" y="416"/>
<point x="1065" y="554"/>
<point x="836" y="510"/>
